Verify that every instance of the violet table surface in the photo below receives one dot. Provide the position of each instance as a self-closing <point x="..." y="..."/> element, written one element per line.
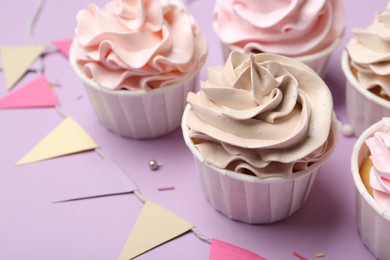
<point x="32" y="227"/>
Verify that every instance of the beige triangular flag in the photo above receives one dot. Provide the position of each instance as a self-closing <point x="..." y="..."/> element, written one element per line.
<point x="67" y="138"/>
<point x="155" y="225"/>
<point x="16" y="60"/>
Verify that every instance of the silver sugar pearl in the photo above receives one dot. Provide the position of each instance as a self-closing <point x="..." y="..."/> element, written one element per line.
<point x="153" y="165"/>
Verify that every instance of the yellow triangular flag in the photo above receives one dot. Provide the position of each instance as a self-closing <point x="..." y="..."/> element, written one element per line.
<point x="16" y="61"/>
<point x="67" y="138"/>
<point x="155" y="225"/>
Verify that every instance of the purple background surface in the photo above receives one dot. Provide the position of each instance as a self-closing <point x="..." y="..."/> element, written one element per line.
<point x="32" y="227"/>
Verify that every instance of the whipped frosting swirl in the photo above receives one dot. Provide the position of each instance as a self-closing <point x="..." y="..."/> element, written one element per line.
<point x="138" y="44"/>
<point x="287" y="27"/>
<point x="369" y="52"/>
<point x="379" y="145"/>
<point x="263" y="114"/>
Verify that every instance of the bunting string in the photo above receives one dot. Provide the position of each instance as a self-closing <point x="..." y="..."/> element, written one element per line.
<point x="137" y="192"/>
<point x="34" y="19"/>
<point x="51" y="49"/>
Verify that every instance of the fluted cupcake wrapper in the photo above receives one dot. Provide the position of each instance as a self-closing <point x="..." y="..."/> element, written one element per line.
<point x="363" y="107"/>
<point x="373" y="221"/>
<point x="139" y="114"/>
<point x="146" y="115"/>
<point x="248" y="198"/>
<point x="317" y="61"/>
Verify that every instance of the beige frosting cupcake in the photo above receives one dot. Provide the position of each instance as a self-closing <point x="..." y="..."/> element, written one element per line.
<point x="366" y="65"/>
<point x="138" y="60"/>
<point x="260" y="128"/>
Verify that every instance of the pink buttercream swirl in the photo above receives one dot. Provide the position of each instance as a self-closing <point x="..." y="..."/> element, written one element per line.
<point x="138" y="44"/>
<point x="263" y="114"/>
<point x="379" y="145"/>
<point x="288" y="27"/>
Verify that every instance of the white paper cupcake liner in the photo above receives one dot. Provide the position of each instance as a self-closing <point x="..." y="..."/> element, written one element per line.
<point x="317" y="61"/>
<point x="373" y="221"/>
<point x="364" y="108"/>
<point x="248" y="198"/>
<point x="139" y="114"/>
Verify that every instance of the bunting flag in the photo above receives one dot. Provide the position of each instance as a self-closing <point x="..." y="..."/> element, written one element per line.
<point x="155" y="225"/>
<point x="16" y="60"/>
<point x="67" y="138"/>
<point x="63" y="46"/>
<point x="36" y="93"/>
<point x="103" y="178"/>
<point x="224" y="251"/>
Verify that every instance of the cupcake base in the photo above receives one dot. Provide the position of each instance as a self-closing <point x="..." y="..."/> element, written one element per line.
<point x="251" y="199"/>
<point x="373" y="221"/>
<point x="141" y="115"/>
<point x="364" y="108"/>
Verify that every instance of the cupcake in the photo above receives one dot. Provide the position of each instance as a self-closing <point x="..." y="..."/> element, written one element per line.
<point x="307" y="30"/>
<point x="371" y="173"/>
<point x="138" y="60"/>
<point x="366" y="65"/>
<point x="260" y="128"/>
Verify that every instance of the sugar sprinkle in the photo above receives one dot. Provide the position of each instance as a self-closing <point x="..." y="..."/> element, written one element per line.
<point x="166" y="188"/>
<point x="295" y="253"/>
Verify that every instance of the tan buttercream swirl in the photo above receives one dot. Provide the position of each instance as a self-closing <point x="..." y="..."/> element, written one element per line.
<point x="369" y="52"/>
<point x="287" y="27"/>
<point x="138" y="44"/>
<point x="262" y="114"/>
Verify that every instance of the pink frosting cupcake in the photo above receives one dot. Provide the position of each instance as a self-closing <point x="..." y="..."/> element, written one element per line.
<point x="138" y="60"/>
<point x="366" y="66"/>
<point x="371" y="173"/>
<point x="307" y="30"/>
<point x="260" y="128"/>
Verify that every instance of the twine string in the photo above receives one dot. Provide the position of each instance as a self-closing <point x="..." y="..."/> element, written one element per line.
<point x="34" y="19"/>
<point x="99" y="151"/>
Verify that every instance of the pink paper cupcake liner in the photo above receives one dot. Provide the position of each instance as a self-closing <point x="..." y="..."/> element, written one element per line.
<point x="373" y="221"/>
<point x="363" y="107"/>
<point x="317" y="61"/>
<point x="139" y="114"/>
<point x="248" y="198"/>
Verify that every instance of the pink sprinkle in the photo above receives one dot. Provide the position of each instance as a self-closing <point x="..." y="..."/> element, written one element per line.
<point x="166" y="188"/>
<point x="295" y="253"/>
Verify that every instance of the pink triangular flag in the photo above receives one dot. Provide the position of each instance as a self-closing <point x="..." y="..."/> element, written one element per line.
<point x="63" y="46"/>
<point x="36" y="93"/>
<point x="223" y="251"/>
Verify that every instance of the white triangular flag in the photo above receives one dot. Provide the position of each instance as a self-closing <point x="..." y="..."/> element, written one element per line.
<point x="16" y="60"/>
<point x="155" y="225"/>
<point x="67" y="138"/>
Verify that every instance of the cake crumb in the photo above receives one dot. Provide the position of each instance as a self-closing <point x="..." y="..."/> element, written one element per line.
<point x="318" y="255"/>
